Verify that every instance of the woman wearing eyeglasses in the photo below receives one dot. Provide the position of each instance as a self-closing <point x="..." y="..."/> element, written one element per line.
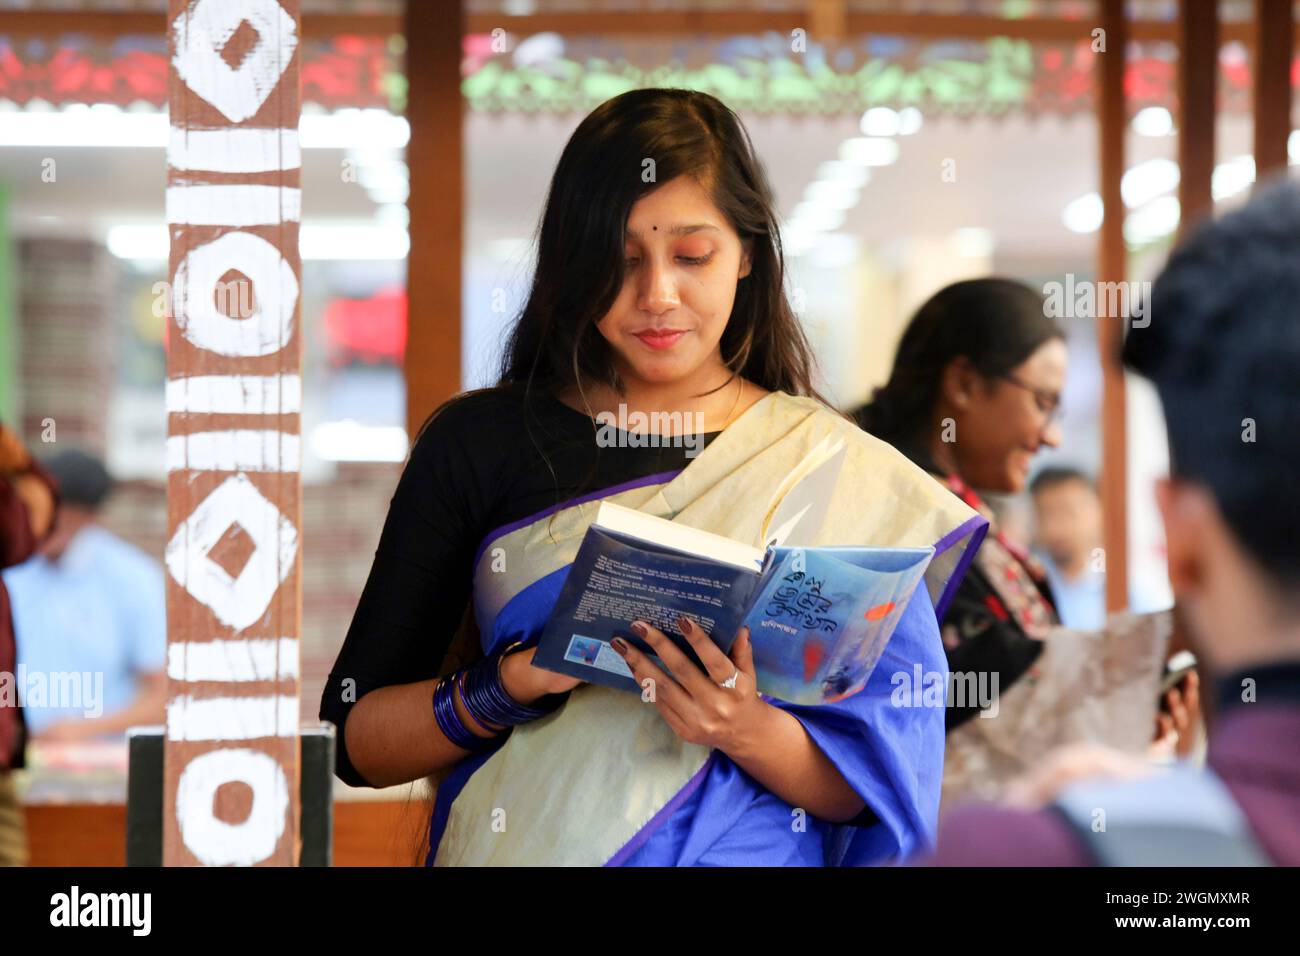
<point x="973" y="395"/>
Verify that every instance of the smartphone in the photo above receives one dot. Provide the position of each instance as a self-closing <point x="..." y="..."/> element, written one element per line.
<point x="1176" y="670"/>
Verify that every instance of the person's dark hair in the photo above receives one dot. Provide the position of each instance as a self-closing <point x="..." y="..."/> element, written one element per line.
<point x="1222" y="347"/>
<point x="994" y="323"/>
<point x="1054" y="475"/>
<point x="83" y="480"/>
<point x="579" y="269"/>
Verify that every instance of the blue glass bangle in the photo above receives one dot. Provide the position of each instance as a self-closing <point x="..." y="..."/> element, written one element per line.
<point x="508" y="706"/>
<point x="460" y="685"/>
<point x="525" y="711"/>
<point x="449" y="722"/>
<point x="486" y="697"/>
<point x="479" y="701"/>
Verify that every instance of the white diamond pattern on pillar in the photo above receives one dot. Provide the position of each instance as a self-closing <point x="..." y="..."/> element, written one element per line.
<point x="240" y="600"/>
<point x="237" y="92"/>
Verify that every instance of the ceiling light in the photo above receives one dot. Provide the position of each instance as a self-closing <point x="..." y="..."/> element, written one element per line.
<point x="328" y="242"/>
<point x="1154" y="221"/>
<point x="1232" y="177"/>
<point x="351" y="441"/>
<point x="824" y="192"/>
<point x="972" y="242"/>
<point x="879" y="121"/>
<point x="849" y="174"/>
<point x="79" y="125"/>
<point x="1147" y="180"/>
<point x="1153" y="121"/>
<point x="869" y="151"/>
<point x="1084" y="215"/>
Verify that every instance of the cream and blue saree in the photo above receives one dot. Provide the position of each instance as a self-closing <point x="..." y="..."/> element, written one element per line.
<point x="604" y="780"/>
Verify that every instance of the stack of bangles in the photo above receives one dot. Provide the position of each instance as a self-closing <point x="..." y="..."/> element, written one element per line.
<point x="485" y="699"/>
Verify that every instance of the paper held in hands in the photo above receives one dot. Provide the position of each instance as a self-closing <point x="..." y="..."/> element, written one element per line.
<point x="819" y="617"/>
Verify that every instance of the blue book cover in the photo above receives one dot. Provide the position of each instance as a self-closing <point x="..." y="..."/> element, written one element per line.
<point x="819" y="617"/>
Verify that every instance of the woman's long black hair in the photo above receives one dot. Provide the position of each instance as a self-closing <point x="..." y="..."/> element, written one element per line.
<point x="993" y="323"/>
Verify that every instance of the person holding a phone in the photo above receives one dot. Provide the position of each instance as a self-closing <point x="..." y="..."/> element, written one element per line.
<point x="1222" y="348"/>
<point x="974" y="394"/>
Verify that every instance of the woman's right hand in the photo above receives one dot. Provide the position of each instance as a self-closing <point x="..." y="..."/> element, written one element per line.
<point x="526" y="683"/>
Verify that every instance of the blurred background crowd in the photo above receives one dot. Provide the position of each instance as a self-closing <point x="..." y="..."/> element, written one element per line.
<point x="932" y="142"/>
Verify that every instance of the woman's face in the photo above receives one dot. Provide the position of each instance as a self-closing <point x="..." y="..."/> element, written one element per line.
<point x="683" y="260"/>
<point x="1001" y="423"/>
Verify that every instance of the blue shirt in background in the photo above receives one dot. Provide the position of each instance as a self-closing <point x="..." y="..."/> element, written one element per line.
<point x="100" y="609"/>
<point x="1081" y="603"/>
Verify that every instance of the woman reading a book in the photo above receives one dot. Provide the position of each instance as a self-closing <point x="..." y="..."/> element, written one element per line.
<point x="973" y="395"/>
<point x="658" y="297"/>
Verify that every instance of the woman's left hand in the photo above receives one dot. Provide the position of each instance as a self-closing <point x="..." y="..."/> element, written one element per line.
<point x="694" y="704"/>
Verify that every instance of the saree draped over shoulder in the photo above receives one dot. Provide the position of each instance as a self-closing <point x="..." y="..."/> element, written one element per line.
<point x="605" y="781"/>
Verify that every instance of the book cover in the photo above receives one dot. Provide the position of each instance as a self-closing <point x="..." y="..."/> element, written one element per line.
<point x="819" y="617"/>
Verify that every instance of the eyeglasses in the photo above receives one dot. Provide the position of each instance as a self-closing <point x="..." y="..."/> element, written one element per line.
<point x="1049" y="403"/>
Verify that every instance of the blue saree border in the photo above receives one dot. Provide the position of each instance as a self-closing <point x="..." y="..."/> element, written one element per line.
<point x="977" y="527"/>
<point x="652" y="826"/>
<point x="657" y="478"/>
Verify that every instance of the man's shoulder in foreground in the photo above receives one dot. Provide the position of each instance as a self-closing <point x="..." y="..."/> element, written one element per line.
<point x="993" y="835"/>
<point x="1026" y="829"/>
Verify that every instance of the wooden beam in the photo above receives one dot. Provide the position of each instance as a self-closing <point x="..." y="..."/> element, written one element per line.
<point x="435" y="110"/>
<point x="1198" y="75"/>
<point x="110" y="24"/>
<point x="9" y="343"/>
<point x="103" y="24"/>
<point x="234" y="396"/>
<point x="1273" y="27"/>
<point x="1112" y="266"/>
<point x="741" y="21"/>
<point x="325" y="26"/>
<point x="729" y="22"/>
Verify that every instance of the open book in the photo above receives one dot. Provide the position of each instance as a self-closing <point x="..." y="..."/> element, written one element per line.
<point x="819" y="617"/>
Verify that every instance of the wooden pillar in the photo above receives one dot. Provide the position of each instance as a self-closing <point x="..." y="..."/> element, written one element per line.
<point x="828" y="20"/>
<point x="434" y="156"/>
<point x="1198" y="74"/>
<point x="1112" y="266"/>
<point x="8" y="322"/>
<point x="234" y="387"/>
<point x="1274" y="42"/>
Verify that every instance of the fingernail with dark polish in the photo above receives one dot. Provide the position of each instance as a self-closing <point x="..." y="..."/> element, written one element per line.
<point x="684" y="623"/>
<point x="619" y="645"/>
<point x="639" y="628"/>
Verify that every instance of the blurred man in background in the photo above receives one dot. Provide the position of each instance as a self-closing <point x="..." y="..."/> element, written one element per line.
<point x="1223" y="351"/>
<point x="27" y="502"/>
<point x="1067" y="539"/>
<point x="1067" y="533"/>
<point x="89" y="612"/>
